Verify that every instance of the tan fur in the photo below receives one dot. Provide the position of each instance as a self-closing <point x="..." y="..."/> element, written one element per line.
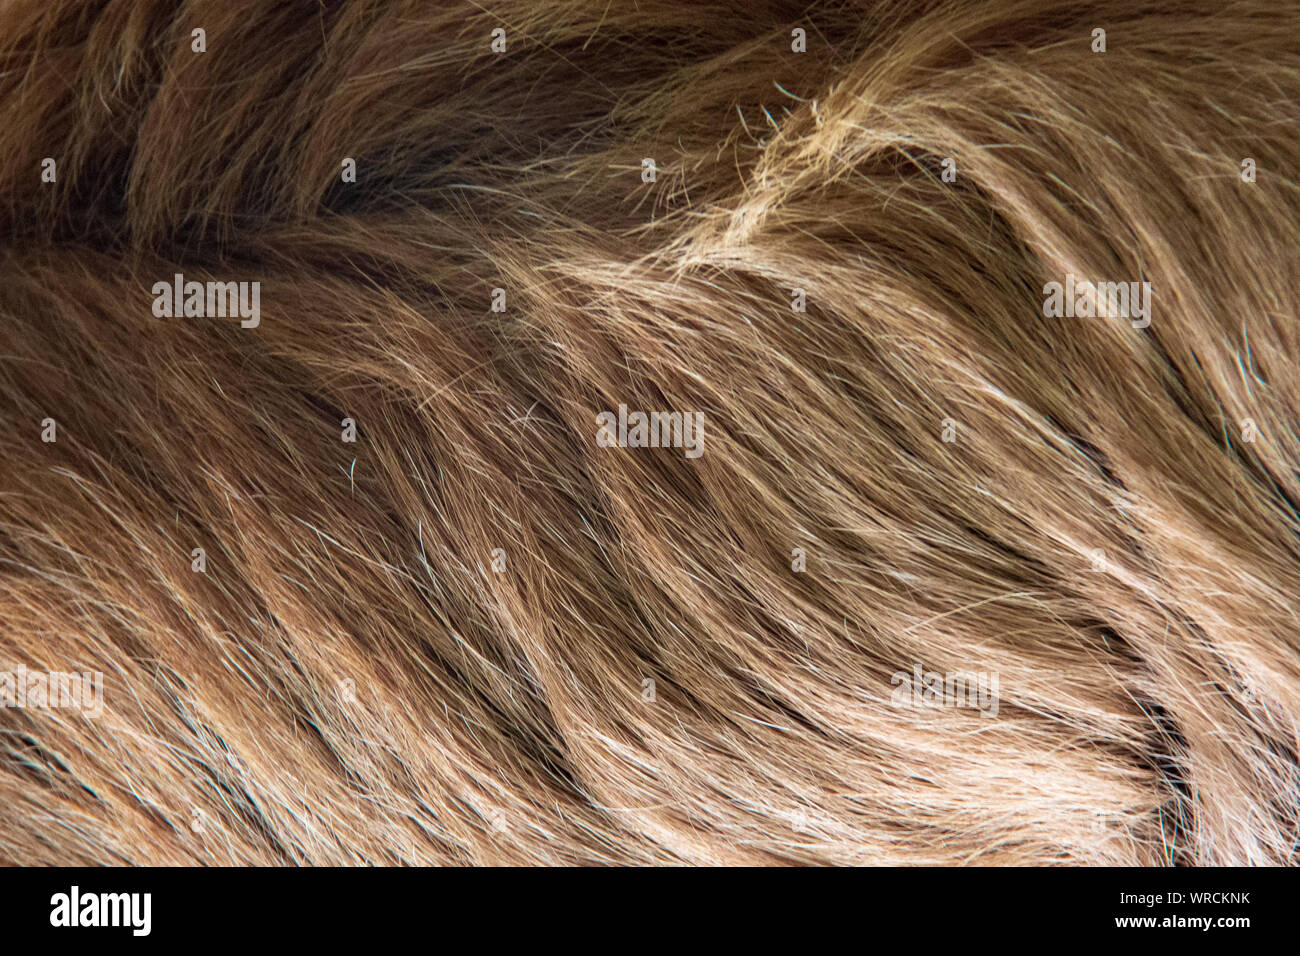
<point x="1148" y="700"/>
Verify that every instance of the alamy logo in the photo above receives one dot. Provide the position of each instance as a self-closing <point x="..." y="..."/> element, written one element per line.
<point x="40" y="690"/>
<point x="932" y="689"/>
<point x="211" y="300"/>
<point x="103" y="909"/>
<point x="652" y="430"/>
<point x="1087" y="299"/>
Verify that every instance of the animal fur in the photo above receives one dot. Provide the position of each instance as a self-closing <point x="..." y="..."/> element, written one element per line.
<point x="432" y="645"/>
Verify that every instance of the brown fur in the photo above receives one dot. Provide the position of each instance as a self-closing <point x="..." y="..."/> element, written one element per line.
<point x="1148" y="702"/>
